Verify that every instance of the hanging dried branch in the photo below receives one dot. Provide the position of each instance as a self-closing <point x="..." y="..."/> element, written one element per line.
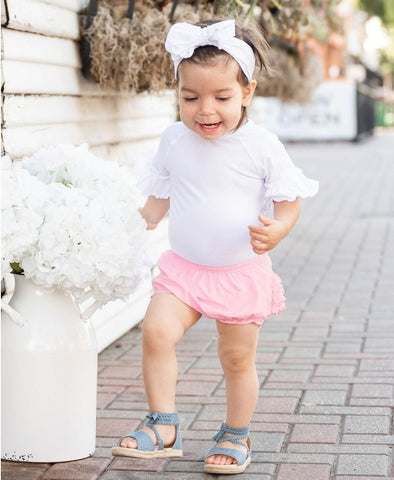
<point x="129" y="55"/>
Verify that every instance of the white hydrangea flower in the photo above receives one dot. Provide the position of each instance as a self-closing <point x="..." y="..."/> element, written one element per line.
<point x="22" y="212"/>
<point x="71" y="221"/>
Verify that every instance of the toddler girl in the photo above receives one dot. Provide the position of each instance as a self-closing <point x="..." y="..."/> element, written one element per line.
<point x="216" y="172"/>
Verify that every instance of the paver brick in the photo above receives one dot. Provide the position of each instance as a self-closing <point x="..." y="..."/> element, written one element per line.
<point x="367" y="424"/>
<point x="125" y="405"/>
<point x="289" y="376"/>
<point x="210" y="362"/>
<point x="373" y="391"/>
<point x="116" y="389"/>
<point x="326" y="448"/>
<point x="267" y="442"/>
<point x="335" y="371"/>
<point x="311" y="332"/>
<point x="322" y="397"/>
<point x="137" y="464"/>
<point x="120" y="371"/>
<point x="280" y="393"/>
<point x="125" y="475"/>
<point x="118" y="414"/>
<point x="115" y="427"/>
<point x="357" y="477"/>
<point x="20" y="471"/>
<point x="87" y="469"/>
<point x="348" y="327"/>
<point x="290" y="457"/>
<point x="271" y="427"/>
<point x="345" y="410"/>
<point x="369" y="439"/>
<point x="266" y="357"/>
<point x="359" y="379"/>
<point x="363" y="465"/>
<point x="303" y="472"/>
<point x="302" y="352"/>
<point x="314" y="433"/>
<point x="377" y="365"/>
<point x="104" y="399"/>
<point x="305" y="386"/>
<point x="297" y="418"/>
<point x="104" y="442"/>
<point x="382" y="402"/>
<point x="276" y="405"/>
<point x="200" y="388"/>
<point x="342" y="347"/>
<point x="195" y="448"/>
<point x="326" y="360"/>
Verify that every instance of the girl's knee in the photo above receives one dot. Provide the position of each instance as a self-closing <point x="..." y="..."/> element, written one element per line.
<point x="237" y="359"/>
<point x="157" y="335"/>
<point x="237" y="346"/>
<point x="161" y="331"/>
<point x="166" y="320"/>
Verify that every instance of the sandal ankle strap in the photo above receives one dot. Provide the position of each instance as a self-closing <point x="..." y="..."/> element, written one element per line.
<point x="232" y="434"/>
<point x="161" y="418"/>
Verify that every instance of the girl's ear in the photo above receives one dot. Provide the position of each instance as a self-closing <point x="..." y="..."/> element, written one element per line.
<point x="248" y="92"/>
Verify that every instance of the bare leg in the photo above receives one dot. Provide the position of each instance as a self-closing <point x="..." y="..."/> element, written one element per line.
<point x="237" y="351"/>
<point x="165" y="323"/>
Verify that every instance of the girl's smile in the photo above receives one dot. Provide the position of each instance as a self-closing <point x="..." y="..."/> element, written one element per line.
<point x="211" y="97"/>
<point x="209" y="127"/>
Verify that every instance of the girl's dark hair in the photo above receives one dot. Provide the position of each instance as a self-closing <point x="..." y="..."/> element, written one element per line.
<point x="211" y="54"/>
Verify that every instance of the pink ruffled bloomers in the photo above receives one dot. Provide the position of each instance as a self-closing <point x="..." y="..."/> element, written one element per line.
<point x="249" y="292"/>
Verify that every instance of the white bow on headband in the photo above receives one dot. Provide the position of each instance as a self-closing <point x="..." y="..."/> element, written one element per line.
<point x="183" y="38"/>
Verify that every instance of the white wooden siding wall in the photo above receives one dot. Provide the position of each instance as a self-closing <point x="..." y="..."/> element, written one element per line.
<point x="47" y="101"/>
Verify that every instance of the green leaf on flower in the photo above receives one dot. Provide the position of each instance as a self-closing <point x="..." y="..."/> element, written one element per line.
<point x="16" y="268"/>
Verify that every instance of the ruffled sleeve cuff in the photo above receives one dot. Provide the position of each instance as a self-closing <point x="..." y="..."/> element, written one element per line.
<point x="155" y="184"/>
<point x="292" y="183"/>
<point x="150" y="180"/>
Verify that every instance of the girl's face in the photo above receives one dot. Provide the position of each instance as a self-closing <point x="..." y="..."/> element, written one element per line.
<point x="211" y="97"/>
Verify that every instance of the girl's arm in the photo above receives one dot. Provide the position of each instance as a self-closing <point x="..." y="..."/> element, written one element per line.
<point x="154" y="210"/>
<point x="266" y="236"/>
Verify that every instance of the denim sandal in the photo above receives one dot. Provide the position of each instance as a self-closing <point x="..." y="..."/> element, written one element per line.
<point x="233" y="435"/>
<point x="146" y="448"/>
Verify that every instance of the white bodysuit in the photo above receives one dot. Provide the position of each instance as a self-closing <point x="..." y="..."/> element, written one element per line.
<point x="219" y="187"/>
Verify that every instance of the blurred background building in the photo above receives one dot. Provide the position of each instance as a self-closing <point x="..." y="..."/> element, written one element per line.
<point x="354" y="41"/>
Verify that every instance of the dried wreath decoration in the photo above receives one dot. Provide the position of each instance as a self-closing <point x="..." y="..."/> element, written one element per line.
<point x="128" y="54"/>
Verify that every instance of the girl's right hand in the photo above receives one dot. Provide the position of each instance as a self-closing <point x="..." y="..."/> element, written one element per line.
<point x="149" y="226"/>
<point x="154" y="210"/>
<point x="266" y="236"/>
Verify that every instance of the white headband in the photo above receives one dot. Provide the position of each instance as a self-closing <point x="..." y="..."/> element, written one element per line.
<point x="183" y="38"/>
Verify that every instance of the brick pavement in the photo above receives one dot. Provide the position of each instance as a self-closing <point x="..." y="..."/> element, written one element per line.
<point x="326" y="364"/>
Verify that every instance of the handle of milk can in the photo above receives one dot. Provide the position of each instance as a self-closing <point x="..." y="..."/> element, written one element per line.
<point x="9" y="284"/>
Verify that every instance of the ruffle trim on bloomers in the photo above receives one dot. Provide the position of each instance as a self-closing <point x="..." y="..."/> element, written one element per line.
<point x="239" y="294"/>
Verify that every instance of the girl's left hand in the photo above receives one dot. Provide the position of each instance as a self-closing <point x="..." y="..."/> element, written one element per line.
<point x="266" y="236"/>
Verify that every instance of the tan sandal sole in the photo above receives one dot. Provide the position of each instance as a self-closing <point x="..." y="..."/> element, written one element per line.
<point x="227" y="469"/>
<point x="135" y="453"/>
